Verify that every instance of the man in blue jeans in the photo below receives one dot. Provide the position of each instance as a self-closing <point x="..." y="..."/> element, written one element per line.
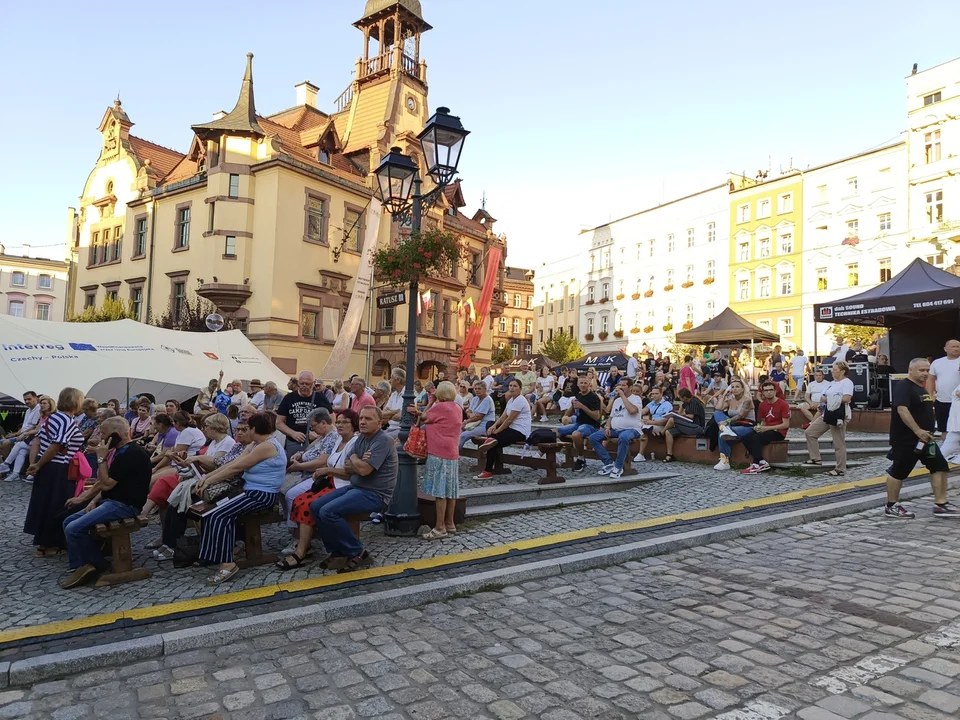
<point x="584" y="420"/>
<point x="373" y="464"/>
<point x="625" y="423"/>
<point x="119" y="493"/>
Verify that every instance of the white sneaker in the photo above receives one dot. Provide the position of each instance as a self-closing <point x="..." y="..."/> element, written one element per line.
<point x="726" y="431"/>
<point x="616" y="473"/>
<point x="607" y="469"/>
<point x="724" y="463"/>
<point x="28" y="479"/>
<point x="12" y="477"/>
<point x="4" y="468"/>
<point x="543" y="419"/>
<point x="639" y="457"/>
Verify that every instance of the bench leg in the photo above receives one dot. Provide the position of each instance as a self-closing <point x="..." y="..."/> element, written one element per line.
<point x="551" y="478"/>
<point x="122" y="570"/>
<point x="253" y="544"/>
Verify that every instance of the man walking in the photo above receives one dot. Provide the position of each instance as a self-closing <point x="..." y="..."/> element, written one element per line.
<point x="943" y="380"/>
<point x="633" y="367"/>
<point x="911" y="440"/>
<point x="625" y="424"/>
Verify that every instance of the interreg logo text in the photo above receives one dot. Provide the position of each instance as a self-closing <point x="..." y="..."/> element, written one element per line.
<point x="34" y="347"/>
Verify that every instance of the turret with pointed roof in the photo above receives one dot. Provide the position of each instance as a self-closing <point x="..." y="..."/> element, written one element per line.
<point x="242" y="120"/>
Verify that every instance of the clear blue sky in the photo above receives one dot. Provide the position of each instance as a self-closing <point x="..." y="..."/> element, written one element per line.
<point x="581" y="111"/>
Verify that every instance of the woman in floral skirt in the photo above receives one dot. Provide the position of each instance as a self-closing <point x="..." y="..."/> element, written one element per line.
<point x="443" y="421"/>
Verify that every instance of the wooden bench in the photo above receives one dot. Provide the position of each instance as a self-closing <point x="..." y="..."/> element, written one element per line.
<point x="685" y="450"/>
<point x="118" y="534"/>
<point x="547" y="463"/>
<point x="428" y="510"/>
<point x="253" y="537"/>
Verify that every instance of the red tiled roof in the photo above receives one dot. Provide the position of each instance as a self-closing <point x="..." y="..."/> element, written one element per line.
<point x="162" y="159"/>
<point x="184" y="169"/>
<point x="300" y="118"/>
<point x="290" y="139"/>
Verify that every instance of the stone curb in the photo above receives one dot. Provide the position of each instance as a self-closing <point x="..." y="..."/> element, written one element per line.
<point x="54" y="665"/>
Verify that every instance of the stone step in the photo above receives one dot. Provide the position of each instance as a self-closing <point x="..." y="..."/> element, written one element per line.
<point x="828" y="450"/>
<point x="578" y="485"/>
<point x="522" y="506"/>
<point x="827" y="465"/>
<point x="798" y="441"/>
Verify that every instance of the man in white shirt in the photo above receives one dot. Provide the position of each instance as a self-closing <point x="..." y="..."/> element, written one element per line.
<point x="798" y="371"/>
<point x="633" y="367"/>
<point x="839" y="349"/>
<point x="31" y="419"/>
<point x="393" y="408"/>
<point x="943" y="380"/>
<point x="256" y="394"/>
<point x="625" y="424"/>
<point x="487" y="378"/>
<point x="815" y="390"/>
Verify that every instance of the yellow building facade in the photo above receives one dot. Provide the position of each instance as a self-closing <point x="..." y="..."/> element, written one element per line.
<point x="766" y="243"/>
<point x="264" y="214"/>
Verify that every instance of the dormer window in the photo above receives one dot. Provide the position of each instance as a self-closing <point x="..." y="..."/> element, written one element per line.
<point x="324" y="157"/>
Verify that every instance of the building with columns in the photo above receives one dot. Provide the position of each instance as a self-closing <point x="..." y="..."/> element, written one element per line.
<point x="264" y="214"/>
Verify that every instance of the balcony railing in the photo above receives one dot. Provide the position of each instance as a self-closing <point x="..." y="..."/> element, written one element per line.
<point x="346" y="97"/>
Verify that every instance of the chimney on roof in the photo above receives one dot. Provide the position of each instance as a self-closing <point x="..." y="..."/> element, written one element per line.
<point x="219" y="114"/>
<point x="307" y="93"/>
<point x="26" y="250"/>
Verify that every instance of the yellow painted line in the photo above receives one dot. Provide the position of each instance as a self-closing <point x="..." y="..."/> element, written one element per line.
<point x="214" y="601"/>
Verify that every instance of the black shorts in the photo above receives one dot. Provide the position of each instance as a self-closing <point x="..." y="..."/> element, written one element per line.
<point x="685" y="428"/>
<point x="904" y="459"/>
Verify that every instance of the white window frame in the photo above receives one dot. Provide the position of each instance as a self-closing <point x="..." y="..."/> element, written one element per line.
<point x="763" y="208"/>
<point x="691" y="238"/>
<point x="711" y="269"/>
<point x="45" y="286"/>
<point x="784" y="278"/>
<point x="785" y="203"/>
<point x="18" y="274"/>
<point x="743" y="288"/>
<point x="786" y="326"/>
<point x="590" y="293"/>
<point x="783" y="238"/>
<point x="884" y="221"/>
<point x="823" y="274"/>
<point x="853" y="268"/>
<point x="690" y="273"/>
<point x="42" y="309"/>
<point x="761" y="281"/>
<point x="931" y="147"/>
<point x="934" y="207"/>
<point x="671" y="243"/>
<point x="529" y="328"/>
<point x="764" y="242"/>
<point x="711" y="232"/>
<point x="743" y="213"/>
<point x="21" y="306"/>
<point x="743" y="251"/>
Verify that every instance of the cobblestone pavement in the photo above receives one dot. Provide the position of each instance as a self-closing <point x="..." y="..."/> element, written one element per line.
<point x="856" y="617"/>
<point x="30" y="594"/>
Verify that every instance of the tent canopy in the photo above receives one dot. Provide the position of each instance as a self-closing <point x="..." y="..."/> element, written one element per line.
<point x="727" y="328"/>
<point x="599" y="360"/>
<point x="106" y="360"/>
<point x="537" y="361"/>
<point x="916" y="292"/>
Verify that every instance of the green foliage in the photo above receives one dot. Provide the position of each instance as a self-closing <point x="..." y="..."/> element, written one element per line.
<point x="562" y="348"/>
<point x="109" y="311"/>
<point x="677" y="351"/>
<point x="852" y="333"/>
<point x="501" y="355"/>
<point x="429" y="253"/>
<point x="193" y="317"/>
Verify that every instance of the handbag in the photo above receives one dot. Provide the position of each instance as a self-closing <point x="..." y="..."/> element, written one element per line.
<point x="472" y="425"/>
<point x="228" y="488"/>
<point x="78" y="470"/>
<point x="416" y="444"/>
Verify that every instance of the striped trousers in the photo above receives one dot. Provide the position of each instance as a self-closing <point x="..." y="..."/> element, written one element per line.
<point x="219" y="527"/>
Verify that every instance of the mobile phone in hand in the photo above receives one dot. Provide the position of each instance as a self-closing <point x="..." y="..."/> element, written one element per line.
<point x="113" y="440"/>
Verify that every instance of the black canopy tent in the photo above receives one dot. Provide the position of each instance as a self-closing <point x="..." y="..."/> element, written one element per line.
<point x="727" y="328"/>
<point x="599" y="361"/>
<point x="537" y="361"/>
<point x="920" y="306"/>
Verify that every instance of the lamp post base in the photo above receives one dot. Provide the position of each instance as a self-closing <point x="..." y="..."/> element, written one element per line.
<point x="401" y="524"/>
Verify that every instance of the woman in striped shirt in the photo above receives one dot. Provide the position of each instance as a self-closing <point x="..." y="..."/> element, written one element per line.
<point x="60" y="439"/>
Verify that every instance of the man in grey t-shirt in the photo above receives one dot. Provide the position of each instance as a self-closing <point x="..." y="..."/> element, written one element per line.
<point x="373" y="468"/>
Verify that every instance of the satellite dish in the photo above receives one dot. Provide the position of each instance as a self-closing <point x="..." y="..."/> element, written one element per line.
<point x="214" y="322"/>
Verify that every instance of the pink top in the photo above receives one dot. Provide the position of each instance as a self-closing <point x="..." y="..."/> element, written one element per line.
<point x="444" y="422"/>
<point x="688" y="379"/>
<point x="361" y="401"/>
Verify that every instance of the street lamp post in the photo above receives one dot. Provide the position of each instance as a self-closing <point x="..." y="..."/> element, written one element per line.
<point x="441" y="140"/>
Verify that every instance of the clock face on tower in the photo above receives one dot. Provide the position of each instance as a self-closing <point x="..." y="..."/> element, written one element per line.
<point x="411" y="103"/>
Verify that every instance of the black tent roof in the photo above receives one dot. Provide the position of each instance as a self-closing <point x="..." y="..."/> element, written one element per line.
<point x="917" y="291"/>
<point x="727" y="328"/>
<point x="537" y="361"/>
<point x="599" y="360"/>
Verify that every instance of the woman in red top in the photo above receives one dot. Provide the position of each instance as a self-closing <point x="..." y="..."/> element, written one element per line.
<point x="443" y="420"/>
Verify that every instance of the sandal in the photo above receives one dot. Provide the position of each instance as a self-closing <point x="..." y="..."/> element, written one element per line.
<point x="221" y="576"/>
<point x="668" y="458"/>
<point x="49" y="552"/>
<point x="836" y="473"/>
<point x="154" y="544"/>
<point x="332" y="562"/>
<point x="451" y="531"/>
<point x="813" y="462"/>
<point x="435" y="535"/>
<point x="362" y="560"/>
<point x="291" y="562"/>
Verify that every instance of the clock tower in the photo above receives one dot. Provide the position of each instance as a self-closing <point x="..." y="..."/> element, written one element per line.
<point x="386" y="105"/>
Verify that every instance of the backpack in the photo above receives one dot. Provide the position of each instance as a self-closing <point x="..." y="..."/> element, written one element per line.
<point x="542" y="435"/>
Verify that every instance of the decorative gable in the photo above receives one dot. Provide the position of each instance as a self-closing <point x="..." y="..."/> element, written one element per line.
<point x="882" y="201"/>
<point x="850" y="209"/>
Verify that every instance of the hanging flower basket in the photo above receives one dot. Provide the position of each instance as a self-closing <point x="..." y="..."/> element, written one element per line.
<point x="618" y="333"/>
<point x="635" y="296"/>
<point x="850" y="241"/>
<point x="604" y="335"/>
<point x="708" y="281"/>
<point x="635" y="331"/>
<point x="668" y="288"/>
<point x="589" y="302"/>
<point x="620" y="296"/>
<point x="668" y="327"/>
<point x="603" y="300"/>
<point x="688" y="283"/>
<point x="648" y="293"/>
<point x="648" y="329"/>
<point x="687" y="325"/>
<point x="588" y="337"/>
<point x="430" y="253"/>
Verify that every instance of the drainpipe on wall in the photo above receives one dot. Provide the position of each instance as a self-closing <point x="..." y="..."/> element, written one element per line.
<point x="153" y="228"/>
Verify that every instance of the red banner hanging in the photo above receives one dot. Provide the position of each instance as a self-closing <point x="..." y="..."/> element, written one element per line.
<point x="472" y="341"/>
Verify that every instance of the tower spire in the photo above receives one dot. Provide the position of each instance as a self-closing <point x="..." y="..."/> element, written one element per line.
<point x="242" y="120"/>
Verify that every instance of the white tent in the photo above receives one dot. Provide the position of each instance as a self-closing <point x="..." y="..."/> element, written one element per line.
<point x="123" y="358"/>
